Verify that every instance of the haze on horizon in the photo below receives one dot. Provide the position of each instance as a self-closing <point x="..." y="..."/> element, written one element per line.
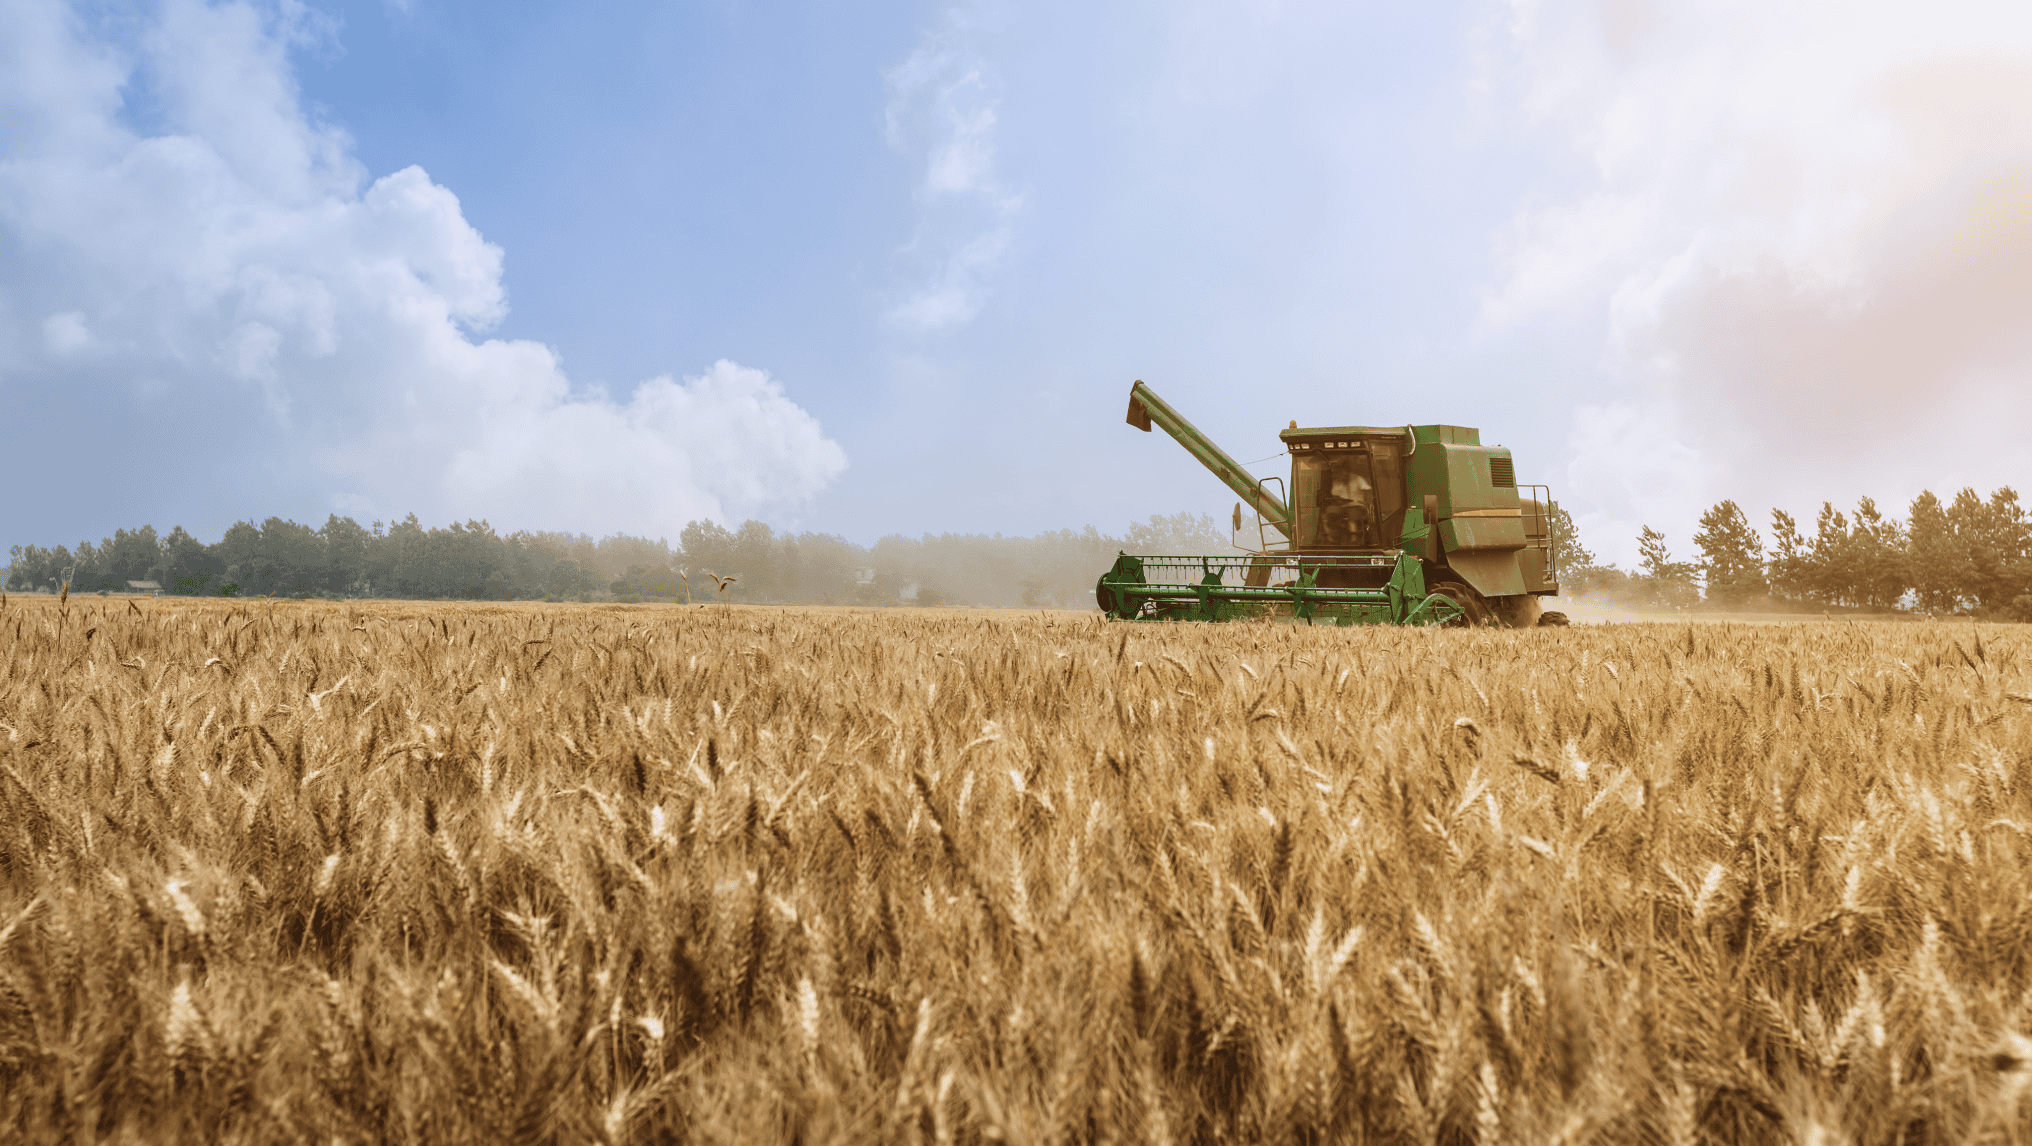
<point x="874" y="270"/>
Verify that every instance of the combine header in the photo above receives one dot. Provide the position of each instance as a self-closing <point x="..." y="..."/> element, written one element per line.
<point x="1384" y="525"/>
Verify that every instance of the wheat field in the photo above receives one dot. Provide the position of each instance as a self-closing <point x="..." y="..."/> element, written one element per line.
<point x="405" y="873"/>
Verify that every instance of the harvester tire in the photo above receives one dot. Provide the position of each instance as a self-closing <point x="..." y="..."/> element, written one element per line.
<point x="1471" y="603"/>
<point x="1552" y="617"/>
<point x="1514" y="612"/>
<point x="1104" y="596"/>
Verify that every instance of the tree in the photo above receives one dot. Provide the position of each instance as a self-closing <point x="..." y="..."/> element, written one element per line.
<point x="1876" y="556"/>
<point x="707" y="546"/>
<point x="754" y="561"/>
<point x="1732" y="555"/>
<point x="33" y="568"/>
<point x="1787" y="572"/>
<point x="621" y="551"/>
<point x="1995" y="543"/>
<point x="1829" y="577"/>
<point x="89" y="570"/>
<point x="132" y="556"/>
<point x="63" y="565"/>
<point x="1668" y="582"/>
<point x="459" y="560"/>
<point x="1930" y="558"/>
<point x="1185" y="532"/>
<point x="1566" y="540"/>
<point x="649" y="581"/>
<point x="406" y="563"/>
<point x="1061" y="567"/>
<point x="188" y="565"/>
<point x="345" y="543"/>
<point x="566" y="579"/>
<point x="236" y="554"/>
<point x="820" y="567"/>
<point x="1580" y="571"/>
<point x="289" y="561"/>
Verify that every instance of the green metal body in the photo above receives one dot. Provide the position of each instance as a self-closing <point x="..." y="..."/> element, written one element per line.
<point x="1432" y="494"/>
<point x="1219" y="589"/>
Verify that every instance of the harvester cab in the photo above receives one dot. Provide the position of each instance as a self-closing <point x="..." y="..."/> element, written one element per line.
<point x="1379" y="525"/>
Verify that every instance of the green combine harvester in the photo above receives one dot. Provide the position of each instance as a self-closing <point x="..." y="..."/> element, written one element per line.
<point x="1383" y="525"/>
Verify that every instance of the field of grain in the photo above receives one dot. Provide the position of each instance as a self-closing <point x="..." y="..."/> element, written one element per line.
<point x="334" y="873"/>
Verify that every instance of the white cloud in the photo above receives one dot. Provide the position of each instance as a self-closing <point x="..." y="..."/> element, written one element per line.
<point x="234" y="258"/>
<point x="960" y="289"/>
<point x="720" y="443"/>
<point x="1636" y="472"/>
<point x="942" y="103"/>
<point x="1807" y="227"/>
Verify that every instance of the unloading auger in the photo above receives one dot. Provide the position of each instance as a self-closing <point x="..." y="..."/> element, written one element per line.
<point x="1385" y="525"/>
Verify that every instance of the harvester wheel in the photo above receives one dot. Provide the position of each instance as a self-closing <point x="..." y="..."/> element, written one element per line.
<point x="1515" y="612"/>
<point x="1552" y="617"/>
<point x="1476" y="610"/>
<point x="1104" y="596"/>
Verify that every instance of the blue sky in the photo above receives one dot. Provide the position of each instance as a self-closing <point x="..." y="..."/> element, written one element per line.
<point x="890" y="268"/>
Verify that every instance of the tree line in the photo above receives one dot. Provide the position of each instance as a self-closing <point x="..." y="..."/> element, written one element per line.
<point x="1969" y="556"/>
<point x="753" y="563"/>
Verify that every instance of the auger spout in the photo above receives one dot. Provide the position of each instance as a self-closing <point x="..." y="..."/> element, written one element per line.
<point x="1145" y="407"/>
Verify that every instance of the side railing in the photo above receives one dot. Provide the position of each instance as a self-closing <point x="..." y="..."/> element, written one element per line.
<point x="1269" y="538"/>
<point x="1539" y="526"/>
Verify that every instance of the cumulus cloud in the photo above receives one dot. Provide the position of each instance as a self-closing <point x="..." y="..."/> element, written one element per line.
<point x="1808" y="230"/>
<point x="943" y="105"/>
<point x="721" y="443"/>
<point x="227" y="280"/>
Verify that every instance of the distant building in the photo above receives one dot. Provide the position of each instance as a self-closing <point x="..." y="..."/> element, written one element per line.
<point x="144" y="587"/>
